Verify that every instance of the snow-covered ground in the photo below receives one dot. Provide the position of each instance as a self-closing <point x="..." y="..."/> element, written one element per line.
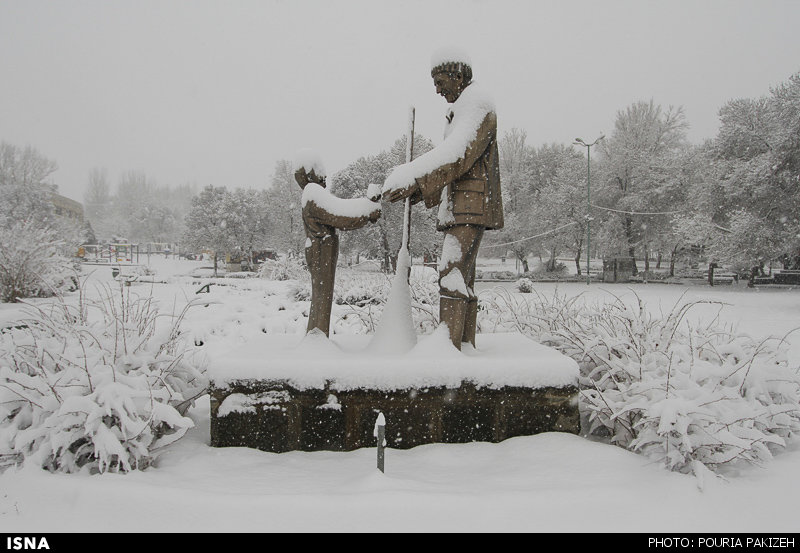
<point x="550" y="482"/>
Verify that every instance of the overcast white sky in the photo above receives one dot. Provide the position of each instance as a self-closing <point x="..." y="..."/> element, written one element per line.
<point x="214" y="92"/>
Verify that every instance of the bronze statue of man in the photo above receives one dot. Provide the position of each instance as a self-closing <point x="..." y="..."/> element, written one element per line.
<point x="323" y="214"/>
<point x="462" y="176"/>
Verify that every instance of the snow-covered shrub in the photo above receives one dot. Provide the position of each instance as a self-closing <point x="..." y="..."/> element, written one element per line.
<point x="302" y="291"/>
<point x="30" y="262"/>
<point x="688" y="396"/>
<point x="288" y="268"/>
<point x="495" y="275"/>
<point x="525" y="285"/>
<point x="541" y="272"/>
<point x="359" y="289"/>
<point x="650" y="276"/>
<point x="99" y="385"/>
<point x="366" y="294"/>
<point x="133" y="272"/>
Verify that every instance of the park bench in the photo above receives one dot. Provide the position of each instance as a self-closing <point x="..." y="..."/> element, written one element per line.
<point x="786" y="276"/>
<point x="725" y="278"/>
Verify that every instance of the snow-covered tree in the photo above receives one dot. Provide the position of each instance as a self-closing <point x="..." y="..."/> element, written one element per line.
<point x="25" y="193"/>
<point x="639" y="168"/>
<point x="207" y="221"/>
<point x="249" y="221"/>
<point x="562" y="201"/>
<point x="97" y="203"/>
<point x="514" y="169"/>
<point x="31" y="263"/>
<point x="140" y="210"/>
<point x="32" y="240"/>
<point x="284" y="210"/>
<point x="543" y="202"/>
<point x="754" y="172"/>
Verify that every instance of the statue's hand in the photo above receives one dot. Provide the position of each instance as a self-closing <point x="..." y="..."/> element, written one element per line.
<point x="374" y="216"/>
<point x="403" y="193"/>
<point x="374" y="192"/>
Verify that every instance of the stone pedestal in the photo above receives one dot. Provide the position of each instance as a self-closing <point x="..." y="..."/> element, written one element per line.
<point x="297" y="395"/>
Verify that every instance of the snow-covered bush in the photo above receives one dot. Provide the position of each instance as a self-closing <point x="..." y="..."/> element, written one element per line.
<point x="288" y="268"/>
<point x="525" y="285"/>
<point x="541" y="271"/>
<point x="302" y="291"/>
<point x="688" y="396"/>
<point x="359" y="289"/>
<point x="30" y="262"/>
<point x="99" y="385"/>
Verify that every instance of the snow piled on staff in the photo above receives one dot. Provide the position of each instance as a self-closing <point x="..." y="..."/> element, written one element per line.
<point x="396" y="333"/>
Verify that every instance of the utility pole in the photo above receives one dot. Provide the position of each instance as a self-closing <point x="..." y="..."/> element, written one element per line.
<point x="580" y="142"/>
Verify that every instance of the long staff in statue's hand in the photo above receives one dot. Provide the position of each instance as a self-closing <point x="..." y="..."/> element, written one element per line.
<point x="396" y="332"/>
<point x="407" y="211"/>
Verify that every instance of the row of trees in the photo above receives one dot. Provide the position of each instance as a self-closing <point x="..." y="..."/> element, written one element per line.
<point x="654" y="196"/>
<point x="138" y="210"/>
<point x="244" y="221"/>
<point x="642" y="176"/>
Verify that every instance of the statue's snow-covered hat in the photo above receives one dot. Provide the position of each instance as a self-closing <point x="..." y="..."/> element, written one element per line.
<point x="451" y="60"/>
<point x="309" y="160"/>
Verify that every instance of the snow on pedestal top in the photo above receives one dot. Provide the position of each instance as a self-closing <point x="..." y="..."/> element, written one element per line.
<point x="311" y="361"/>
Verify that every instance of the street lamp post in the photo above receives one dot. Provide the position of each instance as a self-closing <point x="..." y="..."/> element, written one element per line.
<point x="580" y="142"/>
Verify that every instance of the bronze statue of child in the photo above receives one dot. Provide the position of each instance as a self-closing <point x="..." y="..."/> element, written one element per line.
<point x="323" y="215"/>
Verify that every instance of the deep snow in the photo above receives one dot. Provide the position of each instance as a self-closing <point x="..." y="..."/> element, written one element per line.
<point x="550" y="482"/>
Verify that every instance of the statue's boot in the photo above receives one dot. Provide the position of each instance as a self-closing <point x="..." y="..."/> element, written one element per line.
<point x="470" y="322"/>
<point x="451" y="313"/>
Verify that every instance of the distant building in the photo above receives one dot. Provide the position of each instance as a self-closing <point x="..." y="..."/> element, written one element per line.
<point x="67" y="208"/>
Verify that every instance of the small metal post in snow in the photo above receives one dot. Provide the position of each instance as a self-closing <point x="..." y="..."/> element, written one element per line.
<point x="380" y="433"/>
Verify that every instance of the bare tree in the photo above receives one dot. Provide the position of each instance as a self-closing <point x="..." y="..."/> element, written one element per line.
<point x="513" y="154"/>
<point x="284" y="209"/>
<point x="97" y="202"/>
